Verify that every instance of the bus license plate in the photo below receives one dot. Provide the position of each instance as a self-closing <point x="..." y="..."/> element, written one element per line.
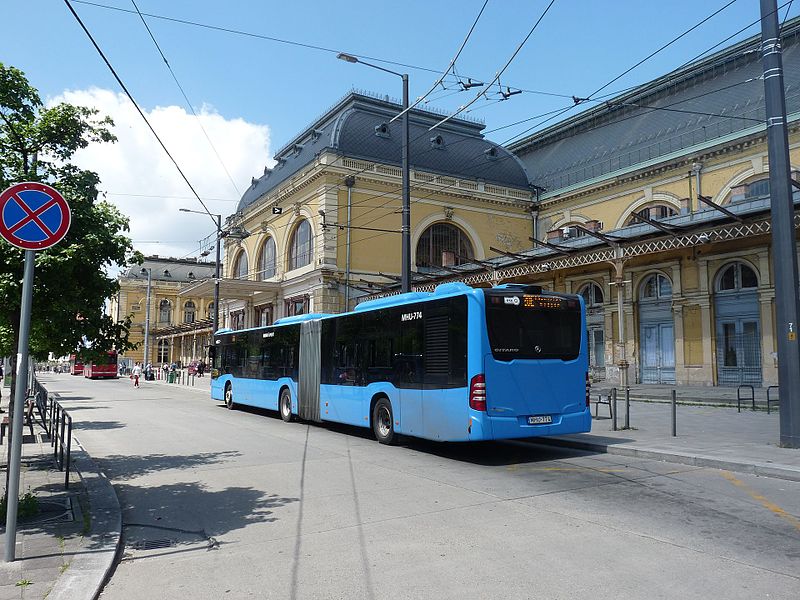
<point x="540" y="419"/>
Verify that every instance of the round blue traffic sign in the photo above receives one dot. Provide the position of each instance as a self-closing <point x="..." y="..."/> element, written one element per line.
<point x="33" y="216"/>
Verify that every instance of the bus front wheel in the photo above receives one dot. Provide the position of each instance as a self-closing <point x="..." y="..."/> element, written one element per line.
<point x="229" y="398"/>
<point x="383" y="421"/>
<point x="285" y="405"/>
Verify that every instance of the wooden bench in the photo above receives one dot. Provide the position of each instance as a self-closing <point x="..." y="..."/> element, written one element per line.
<point x="29" y="404"/>
<point x="600" y="401"/>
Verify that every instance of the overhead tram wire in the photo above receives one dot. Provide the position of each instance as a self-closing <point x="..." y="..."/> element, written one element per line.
<point x="499" y="73"/>
<point x="185" y="97"/>
<point x="447" y="70"/>
<point x="638" y="64"/>
<point x="139" y="110"/>
<point x="268" y="38"/>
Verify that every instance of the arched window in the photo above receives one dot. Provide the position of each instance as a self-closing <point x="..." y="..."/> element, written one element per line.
<point x="736" y="276"/>
<point x="592" y="295"/>
<point x="653" y="212"/>
<point x="240" y="267"/>
<point x="163" y="351"/>
<point x="443" y="245"/>
<point x="210" y="310"/>
<point x="301" y="246"/>
<point x="655" y="287"/>
<point x="189" y="312"/>
<point x="266" y="260"/>
<point x="164" y="311"/>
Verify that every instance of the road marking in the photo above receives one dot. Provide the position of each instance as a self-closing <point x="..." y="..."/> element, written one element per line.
<point x="771" y="506"/>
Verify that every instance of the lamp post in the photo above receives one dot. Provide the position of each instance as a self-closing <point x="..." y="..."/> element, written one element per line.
<point x="406" y="207"/>
<point x="215" y="326"/>
<point x="149" y="273"/>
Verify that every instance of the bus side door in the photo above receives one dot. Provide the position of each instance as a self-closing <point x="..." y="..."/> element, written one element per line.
<point x="408" y="378"/>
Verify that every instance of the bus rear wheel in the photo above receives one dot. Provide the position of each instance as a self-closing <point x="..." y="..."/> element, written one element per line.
<point x="285" y="405"/>
<point x="229" y="397"/>
<point x="383" y="421"/>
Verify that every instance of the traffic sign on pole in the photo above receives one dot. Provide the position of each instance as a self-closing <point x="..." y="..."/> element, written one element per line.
<point x="33" y="216"/>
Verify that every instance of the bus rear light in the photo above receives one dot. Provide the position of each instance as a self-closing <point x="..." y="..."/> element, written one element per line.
<point x="588" y="389"/>
<point x="477" y="392"/>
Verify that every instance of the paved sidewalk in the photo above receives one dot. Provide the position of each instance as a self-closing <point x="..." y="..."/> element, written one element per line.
<point x="68" y="549"/>
<point x="708" y="436"/>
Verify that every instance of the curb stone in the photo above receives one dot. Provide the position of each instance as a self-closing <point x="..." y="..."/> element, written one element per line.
<point x="88" y="572"/>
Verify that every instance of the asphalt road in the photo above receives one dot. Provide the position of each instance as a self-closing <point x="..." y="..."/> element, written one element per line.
<point x="238" y="504"/>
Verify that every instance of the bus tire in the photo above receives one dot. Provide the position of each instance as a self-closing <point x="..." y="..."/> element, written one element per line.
<point x="229" y="404"/>
<point x="383" y="421"/>
<point x="285" y="405"/>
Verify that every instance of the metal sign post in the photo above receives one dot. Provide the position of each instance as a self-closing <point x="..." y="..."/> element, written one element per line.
<point x="33" y="216"/>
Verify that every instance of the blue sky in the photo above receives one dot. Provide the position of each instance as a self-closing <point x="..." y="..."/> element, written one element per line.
<point x="268" y="91"/>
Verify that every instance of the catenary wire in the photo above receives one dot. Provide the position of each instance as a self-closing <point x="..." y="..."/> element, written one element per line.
<point x="186" y="98"/>
<point x="139" y="110"/>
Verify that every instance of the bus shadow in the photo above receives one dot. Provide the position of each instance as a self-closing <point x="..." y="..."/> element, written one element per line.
<point x="488" y="453"/>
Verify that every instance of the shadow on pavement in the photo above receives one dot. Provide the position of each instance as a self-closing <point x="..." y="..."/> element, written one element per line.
<point x="96" y="425"/>
<point x="122" y="467"/>
<point x="189" y="508"/>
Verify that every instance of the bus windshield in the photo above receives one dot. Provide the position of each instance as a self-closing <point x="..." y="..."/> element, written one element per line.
<point x="524" y="326"/>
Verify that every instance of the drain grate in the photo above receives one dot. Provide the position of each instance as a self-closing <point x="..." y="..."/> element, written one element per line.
<point x="154" y="544"/>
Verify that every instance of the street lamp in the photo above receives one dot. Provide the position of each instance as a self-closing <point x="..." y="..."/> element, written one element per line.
<point x="406" y="210"/>
<point x="215" y="326"/>
<point x="149" y="273"/>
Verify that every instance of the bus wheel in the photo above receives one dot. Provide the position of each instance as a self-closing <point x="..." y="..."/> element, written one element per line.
<point x="383" y="421"/>
<point x="285" y="405"/>
<point x="229" y="397"/>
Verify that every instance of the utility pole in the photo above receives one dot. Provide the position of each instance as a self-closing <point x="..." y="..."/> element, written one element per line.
<point x="784" y="245"/>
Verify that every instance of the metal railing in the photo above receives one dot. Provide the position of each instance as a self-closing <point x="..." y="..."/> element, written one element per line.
<point x="739" y="396"/>
<point x="57" y="423"/>
<point x="770" y="400"/>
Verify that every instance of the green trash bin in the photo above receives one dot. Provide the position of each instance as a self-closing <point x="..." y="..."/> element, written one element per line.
<point x="171" y="377"/>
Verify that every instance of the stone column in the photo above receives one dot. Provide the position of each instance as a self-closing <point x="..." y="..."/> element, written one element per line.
<point x="769" y="370"/>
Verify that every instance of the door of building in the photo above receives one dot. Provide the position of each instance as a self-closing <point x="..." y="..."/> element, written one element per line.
<point x="656" y="331"/>
<point x="738" y="326"/>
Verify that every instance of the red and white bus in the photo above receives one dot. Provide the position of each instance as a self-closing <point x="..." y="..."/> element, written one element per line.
<point x="75" y="365"/>
<point x="102" y="367"/>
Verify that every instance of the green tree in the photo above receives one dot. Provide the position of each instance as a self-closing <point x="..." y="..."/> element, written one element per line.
<point x="71" y="285"/>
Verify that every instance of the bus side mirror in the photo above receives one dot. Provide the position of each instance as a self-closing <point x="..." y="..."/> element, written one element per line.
<point x="212" y="353"/>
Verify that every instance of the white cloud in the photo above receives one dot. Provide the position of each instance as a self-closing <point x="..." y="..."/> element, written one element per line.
<point x="144" y="183"/>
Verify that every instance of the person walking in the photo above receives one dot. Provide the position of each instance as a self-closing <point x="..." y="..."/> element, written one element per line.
<point x="135" y="374"/>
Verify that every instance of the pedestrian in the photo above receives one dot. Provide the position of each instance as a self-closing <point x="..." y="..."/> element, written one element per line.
<point x="135" y="373"/>
<point x="201" y="366"/>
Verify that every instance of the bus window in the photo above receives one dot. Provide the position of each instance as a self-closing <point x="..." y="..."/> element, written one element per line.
<point x="540" y="327"/>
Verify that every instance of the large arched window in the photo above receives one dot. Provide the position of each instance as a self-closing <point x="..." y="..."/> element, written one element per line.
<point x="736" y="276"/>
<point x="210" y="310"/>
<point x="301" y="246"/>
<point x="164" y="311"/>
<point x="189" y="312"/>
<point x="443" y="244"/>
<point x="240" y="267"/>
<point x="266" y="260"/>
<point x="653" y="212"/>
<point x="592" y="295"/>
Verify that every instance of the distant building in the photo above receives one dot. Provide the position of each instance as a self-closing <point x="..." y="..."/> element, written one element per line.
<point x="322" y="228"/>
<point x="180" y="324"/>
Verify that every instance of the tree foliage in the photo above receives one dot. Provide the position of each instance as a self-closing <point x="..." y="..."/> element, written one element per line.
<point x="71" y="286"/>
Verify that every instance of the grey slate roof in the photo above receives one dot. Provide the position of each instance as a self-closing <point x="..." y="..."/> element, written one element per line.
<point x="618" y="135"/>
<point x="349" y="129"/>
<point x="178" y="269"/>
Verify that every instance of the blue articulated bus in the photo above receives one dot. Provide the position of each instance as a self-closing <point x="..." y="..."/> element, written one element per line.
<point x="457" y="364"/>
